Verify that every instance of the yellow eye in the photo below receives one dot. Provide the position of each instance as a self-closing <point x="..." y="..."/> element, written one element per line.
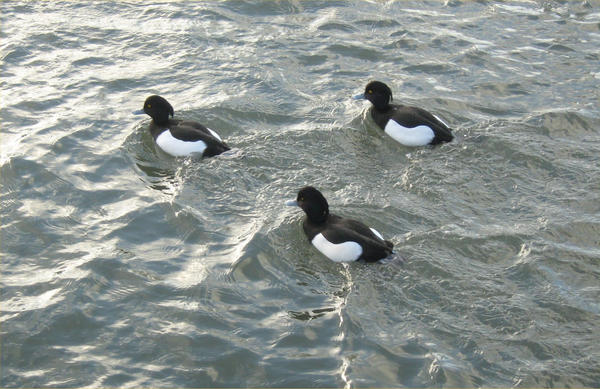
<point x="149" y="105"/>
<point x="370" y="92"/>
<point x="301" y="198"/>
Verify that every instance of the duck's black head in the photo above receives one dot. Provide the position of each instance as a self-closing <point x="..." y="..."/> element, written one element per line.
<point x="158" y="108"/>
<point x="313" y="203"/>
<point x="379" y="94"/>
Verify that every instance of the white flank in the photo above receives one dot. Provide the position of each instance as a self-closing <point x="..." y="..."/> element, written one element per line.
<point x="217" y="135"/>
<point x="377" y="234"/>
<point x="178" y="148"/>
<point x="341" y="252"/>
<point x="416" y="136"/>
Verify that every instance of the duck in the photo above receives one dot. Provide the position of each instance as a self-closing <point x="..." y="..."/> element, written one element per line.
<point x="178" y="137"/>
<point x="408" y="125"/>
<point x="339" y="239"/>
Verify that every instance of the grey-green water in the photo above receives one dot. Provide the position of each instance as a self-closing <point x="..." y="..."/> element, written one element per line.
<point x="122" y="266"/>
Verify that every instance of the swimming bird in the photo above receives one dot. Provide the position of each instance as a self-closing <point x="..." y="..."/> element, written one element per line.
<point x="338" y="238"/>
<point x="410" y="126"/>
<point x="177" y="137"/>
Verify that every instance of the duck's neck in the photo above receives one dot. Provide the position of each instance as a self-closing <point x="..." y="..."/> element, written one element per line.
<point x="319" y="218"/>
<point x="383" y="107"/>
<point x="161" y="120"/>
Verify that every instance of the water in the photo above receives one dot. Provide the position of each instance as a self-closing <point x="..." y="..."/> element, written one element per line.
<point x="124" y="267"/>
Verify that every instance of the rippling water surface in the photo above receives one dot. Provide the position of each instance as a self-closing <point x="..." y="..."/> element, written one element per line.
<point x="122" y="266"/>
